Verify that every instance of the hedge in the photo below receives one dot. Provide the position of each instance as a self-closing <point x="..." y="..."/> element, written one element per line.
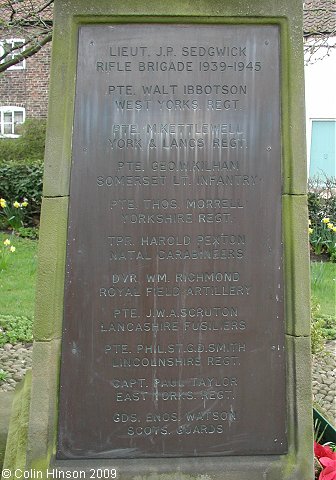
<point x="322" y="199"/>
<point x="19" y="181"/>
<point x="26" y="148"/>
<point x="21" y="168"/>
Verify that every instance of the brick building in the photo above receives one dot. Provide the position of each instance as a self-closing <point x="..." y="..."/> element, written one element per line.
<point x="24" y="86"/>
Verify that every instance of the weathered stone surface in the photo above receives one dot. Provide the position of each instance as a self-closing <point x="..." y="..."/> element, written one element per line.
<point x="300" y="424"/>
<point x="6" y="400"/>
<point x="42" y="421"/>
<point x="41" y="444"/>
<point x="50" y="273"/>
<point x="296" y="253"/>
<point x="15" y="456"/>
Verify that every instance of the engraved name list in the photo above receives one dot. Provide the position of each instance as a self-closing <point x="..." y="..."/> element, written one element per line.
<point x="173" y="338"/>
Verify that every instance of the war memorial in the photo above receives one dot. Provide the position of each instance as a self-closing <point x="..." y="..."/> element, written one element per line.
<point x="172" y="322"/>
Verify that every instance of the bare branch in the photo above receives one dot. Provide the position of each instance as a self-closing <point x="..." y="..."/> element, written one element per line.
<point x="30" y="20"/>
<point x="319" y="29"/>
<point x="29" y="52"/>
<point x="45" y="6"/>
<point x="18" y="48"/>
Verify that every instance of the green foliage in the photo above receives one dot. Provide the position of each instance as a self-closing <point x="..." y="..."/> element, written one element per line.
<point x="317" y="338"/>
<point x="323" y="238"/>
<point x="19" y="181"/>
<point x="15" y="329"/>
<point x="13" y="213"/>
<point x="323" y="284"/>
<point x="29" y="146"/>
<point x="17" y="282"/>
<point x="28" y="232"/>
<point x="331" y="445"/>
<point x="11" y="150"/>
<point x="3" y="375"/>
<point x="323" y="327"/>
<point x="328" y="326"/>
<point x="318" y="430"/>
<point x="21" y="173"/>
<point x="322" y="205"/>
<point x="33" y="134"/>
<point x="6" y="250"/>
<point x="321" y="199"/>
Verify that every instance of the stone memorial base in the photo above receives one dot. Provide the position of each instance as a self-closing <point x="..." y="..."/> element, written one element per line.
<point x="67" y="417"/>
<point x="295" y="465"/>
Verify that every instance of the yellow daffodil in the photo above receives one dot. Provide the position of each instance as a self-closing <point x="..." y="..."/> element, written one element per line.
<point x="3" y="203"/>
<point x="7" y="242"/>
<point x="12" y="249"/>
<point x="24" y="204"/>
<point x="334" y="229"/>
<point x="326" y="220"/>
<point x="310" y="230"/>
<point x="330" y="225"/>
<point x="309" y="222"/>
<point x="16" y="205"/>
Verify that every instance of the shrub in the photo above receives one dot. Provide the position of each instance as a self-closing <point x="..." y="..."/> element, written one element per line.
<point x="29" y="146"/>
<point x="15" y="329"/>
<point x="328" y="324"/>
<point x="13" y="214"/>
<point x="322" y="214"/>
<point x="33" y="134"/>
<point x="21" y="169"/>
<point x="321" y="199"/>
<point x="323" y="327"/>
<point x="323" y="238"/>
<point x="28" y="232"/>
<point x="19" y="181"/>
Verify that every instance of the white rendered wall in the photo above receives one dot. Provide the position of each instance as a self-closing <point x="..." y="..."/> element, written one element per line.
<point x="320" y="85"/>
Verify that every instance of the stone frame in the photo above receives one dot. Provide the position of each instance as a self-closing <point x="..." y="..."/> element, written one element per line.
<point x="34" y="420"/>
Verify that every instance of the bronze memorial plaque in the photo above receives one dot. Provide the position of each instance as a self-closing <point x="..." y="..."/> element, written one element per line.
<point x="173" y="339"/>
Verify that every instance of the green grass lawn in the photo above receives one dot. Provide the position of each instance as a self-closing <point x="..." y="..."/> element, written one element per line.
<point x="323" y="286"/>
<point x="17" y="280"/>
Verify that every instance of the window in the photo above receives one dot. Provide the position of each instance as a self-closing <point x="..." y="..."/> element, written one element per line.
<point x="10" y="119"/>
<point x="15" y="44"/>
